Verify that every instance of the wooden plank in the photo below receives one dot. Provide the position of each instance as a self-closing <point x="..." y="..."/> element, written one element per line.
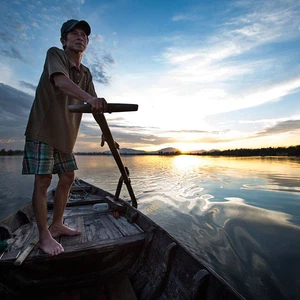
<point x="81" y="210"/>
<point x="137" y="227"/>
<point x="29" y="248"/>
<point x="76" y="250"/>
<point x="94" y="228"/>
<point x="116" y="204"/>
<point x="78" y="224"/>
<point x="111" y="229"/>
<point x="21" y="236"/>
<point x="103" y="245"/>
<point x="88" y="248"/>
<point x="79" y="202"/>
<point x="100" y="232"/>
<point x="78" y="210"/>
<point x="15" y="250"/>
<point x="101" y="227"/>
<point x="125" y="227"/>
<point x="19" y="218"/>
<point x="95" y="231"/>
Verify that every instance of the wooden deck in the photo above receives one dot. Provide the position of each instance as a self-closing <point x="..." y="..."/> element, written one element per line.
<point x="99" y="230"/>
<point x="105" y="249"/>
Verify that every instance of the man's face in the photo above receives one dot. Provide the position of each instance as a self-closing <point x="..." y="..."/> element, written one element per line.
<point x="77" y="40"/>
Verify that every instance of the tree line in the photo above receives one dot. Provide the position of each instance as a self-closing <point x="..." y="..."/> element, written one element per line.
<point x="4" y="152"/>
<point x="270" y="151"/>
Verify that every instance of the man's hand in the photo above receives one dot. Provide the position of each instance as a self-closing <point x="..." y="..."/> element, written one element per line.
<point x="99" y="105"/>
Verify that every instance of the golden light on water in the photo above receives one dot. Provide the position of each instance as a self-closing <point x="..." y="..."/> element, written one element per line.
<point x="185" y="161"/>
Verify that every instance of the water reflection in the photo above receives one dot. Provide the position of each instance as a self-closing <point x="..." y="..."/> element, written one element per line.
<point x="227" y="214"/>
<point x="259" y="240"/>
<point x="241" y="216"/>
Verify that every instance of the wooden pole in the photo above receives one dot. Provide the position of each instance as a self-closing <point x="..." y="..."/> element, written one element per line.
<point x="120" y="183"/>
<point x="101" y="120"/>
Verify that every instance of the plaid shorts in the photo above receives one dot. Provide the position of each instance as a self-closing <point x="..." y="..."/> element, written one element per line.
<point x="40" y="158"/>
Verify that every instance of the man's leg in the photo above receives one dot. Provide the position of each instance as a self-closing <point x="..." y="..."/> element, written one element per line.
<point x="39" y="203"/>
<point x="60" y="199"/>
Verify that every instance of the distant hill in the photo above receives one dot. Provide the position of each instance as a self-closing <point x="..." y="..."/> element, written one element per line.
<point x="195" y="151"/>
<point x="168" y="150"/>
<point x="127" y="151"/>
<point x="213" y="150"/>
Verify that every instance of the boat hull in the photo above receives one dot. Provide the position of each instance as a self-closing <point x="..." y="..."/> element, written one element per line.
<point x="119" y="243"/>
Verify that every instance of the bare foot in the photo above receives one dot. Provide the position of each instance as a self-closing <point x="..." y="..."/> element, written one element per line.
<point x="58" y="230"/>
<point x="51" y="246"/>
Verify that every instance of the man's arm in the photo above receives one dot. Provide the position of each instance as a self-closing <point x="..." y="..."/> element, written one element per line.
<point x="68" y="87"/>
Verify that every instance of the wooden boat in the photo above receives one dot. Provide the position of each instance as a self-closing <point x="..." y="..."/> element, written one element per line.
<point x="120" y="254"/>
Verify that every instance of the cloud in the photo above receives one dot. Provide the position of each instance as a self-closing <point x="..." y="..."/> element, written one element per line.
<point x="215" y="58"/>
<point x="5" y="36"/>
<point x="98" y="38"/>
<point x="13" y="122"/>
<point x="36" y="25"/>
<point x="264" y="23"/>
<point x="27" y="85"/>
<point x="98" y="65"/>
<point x="91" y="134"/>
<point x="184" y="17"/>
<point x="286" y="126"/>
<point x="15" y="107"/>
<point x="12" y="52"/>
<point x="14" y="101"/>
<point x="98" y="72"/>
<point x="29" y="21"/>
<point x="108" y="59"/>
<point x="234" y="68"/>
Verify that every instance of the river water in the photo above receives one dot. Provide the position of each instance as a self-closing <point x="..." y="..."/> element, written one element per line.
<point x="240" y="216"/>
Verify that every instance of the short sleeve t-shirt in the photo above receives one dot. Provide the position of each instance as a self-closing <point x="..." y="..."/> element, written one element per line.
<point x="50" y="121"/>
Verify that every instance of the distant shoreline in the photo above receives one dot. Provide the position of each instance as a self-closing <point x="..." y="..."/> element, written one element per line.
<point x="292" y="151"/>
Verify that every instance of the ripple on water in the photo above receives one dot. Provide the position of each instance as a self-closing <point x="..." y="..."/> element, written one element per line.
<point x="240" y="216"/>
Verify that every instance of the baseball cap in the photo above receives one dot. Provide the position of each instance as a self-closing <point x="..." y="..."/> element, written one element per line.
<point x="70" y="24"/>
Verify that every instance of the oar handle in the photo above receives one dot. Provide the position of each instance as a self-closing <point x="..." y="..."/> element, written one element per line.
<point x="111" y="107"/>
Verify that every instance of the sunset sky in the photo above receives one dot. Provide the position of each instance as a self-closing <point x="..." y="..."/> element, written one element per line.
<point x="209" y="74"/>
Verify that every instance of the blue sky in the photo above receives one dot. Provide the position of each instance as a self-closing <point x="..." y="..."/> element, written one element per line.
<point x="205" y="74"/>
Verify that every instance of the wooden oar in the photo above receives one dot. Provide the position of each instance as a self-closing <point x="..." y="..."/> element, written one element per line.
<point x="101" y="120"/>
<point x="29" y="248"/>
<point x="111" y="107"/>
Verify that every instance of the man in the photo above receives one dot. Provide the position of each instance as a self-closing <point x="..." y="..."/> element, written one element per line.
<point x="52" y="130"/>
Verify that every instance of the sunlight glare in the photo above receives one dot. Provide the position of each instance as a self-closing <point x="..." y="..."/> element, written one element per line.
<point x="184" y="162"/>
